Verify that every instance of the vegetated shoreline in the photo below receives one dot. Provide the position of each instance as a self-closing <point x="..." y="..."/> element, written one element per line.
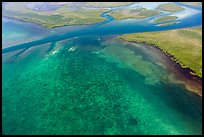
<point x="52" y="26"/>
<point x="188" y="73"/>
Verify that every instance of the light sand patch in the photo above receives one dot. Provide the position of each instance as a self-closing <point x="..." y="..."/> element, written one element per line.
<point x="72" y="49"/>
<point x="186" y="13"/>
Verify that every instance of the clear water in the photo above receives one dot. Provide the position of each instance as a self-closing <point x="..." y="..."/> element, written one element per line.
<point x="91" y="84"/>
<point x="15" y="32"/>
<point x="82" y="86"/>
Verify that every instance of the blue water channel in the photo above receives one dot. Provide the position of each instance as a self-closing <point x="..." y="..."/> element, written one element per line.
<point x="108" y="27"/>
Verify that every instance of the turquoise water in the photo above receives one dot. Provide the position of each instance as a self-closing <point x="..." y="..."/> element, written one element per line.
<point x="92" y="83"/>
<point x="85" y="86"/>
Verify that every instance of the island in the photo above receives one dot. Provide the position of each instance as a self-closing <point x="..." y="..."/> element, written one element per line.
<point x="170" y="7"/>
<point x="139" y="13"/>
<point x="167" y="23"/>
<point x="184" y="44"/>
<point x="165" y="18"/>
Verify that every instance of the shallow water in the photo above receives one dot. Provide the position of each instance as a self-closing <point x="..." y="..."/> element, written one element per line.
<point x="74" y="89"/>
<point x="93" y="84"/>
<point x="14" y="31"/>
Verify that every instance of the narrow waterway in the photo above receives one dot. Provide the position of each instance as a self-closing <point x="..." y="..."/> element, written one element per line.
<point x="108" y="27"/>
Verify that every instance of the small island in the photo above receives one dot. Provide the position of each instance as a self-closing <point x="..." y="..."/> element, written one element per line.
<point x="169" y="7"/>
<point x="139" y="13"/>
<point x="167" y="23"/>
<point x="165" y="18"/>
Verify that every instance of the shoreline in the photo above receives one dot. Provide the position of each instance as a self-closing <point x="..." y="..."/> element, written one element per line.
<point x="49" y="27"/>
<point x="184" y="72"/>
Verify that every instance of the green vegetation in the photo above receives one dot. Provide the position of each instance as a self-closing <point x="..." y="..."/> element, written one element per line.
<point x="60" y="17"/>
<point x="197" y="4"/>
<point x="184" y="44"/>
<point x="133" y="13"/>
<point x="170" y="7"/>
<point x="165" y="18"/>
